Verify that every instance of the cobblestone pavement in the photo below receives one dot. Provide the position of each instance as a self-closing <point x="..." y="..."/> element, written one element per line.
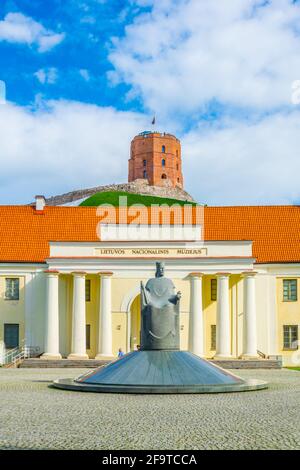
<point x="36" y="416"/>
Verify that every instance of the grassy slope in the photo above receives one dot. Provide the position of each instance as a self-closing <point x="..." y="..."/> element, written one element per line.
<point x="112" y="197"/>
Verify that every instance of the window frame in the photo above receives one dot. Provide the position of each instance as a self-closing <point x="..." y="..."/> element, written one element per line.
<point x="88" y="290"/>
<point x="289" y="290"/>
<point x="12" y="299"/>
<point x="88" y="336"/>
<point x="213" y="337"/>
<point x="213" y="289"/>
<point x="291" y="340"/>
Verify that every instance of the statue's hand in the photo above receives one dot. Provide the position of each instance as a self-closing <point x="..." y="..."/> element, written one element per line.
<point x="179" y="295"/>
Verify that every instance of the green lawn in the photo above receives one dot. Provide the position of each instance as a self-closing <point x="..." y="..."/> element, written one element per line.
<point x="293" y="368"/>
<point x="112" y="197"/>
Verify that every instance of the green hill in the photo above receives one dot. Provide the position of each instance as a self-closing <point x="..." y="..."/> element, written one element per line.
<point x="112" y="197"/>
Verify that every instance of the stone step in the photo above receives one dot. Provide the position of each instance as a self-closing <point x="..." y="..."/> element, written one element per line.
<point x="43" y="363"/>
<point x="248" y="363"/>
<point x="93" y="363"/>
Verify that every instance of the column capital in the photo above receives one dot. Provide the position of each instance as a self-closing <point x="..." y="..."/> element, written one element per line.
<point x="195" y="274"/>
<point x="78" y="273"/>
<point x="52" y="271"/>
<point x="105" y="273"/>
<point x="248" y="273"/>
<point x="221" y="274"/>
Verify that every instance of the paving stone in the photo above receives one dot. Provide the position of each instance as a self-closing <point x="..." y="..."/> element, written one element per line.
<point x="35" y="416"/>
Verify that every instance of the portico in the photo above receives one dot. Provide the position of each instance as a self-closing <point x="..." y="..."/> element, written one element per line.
<point x="97" y="326"/>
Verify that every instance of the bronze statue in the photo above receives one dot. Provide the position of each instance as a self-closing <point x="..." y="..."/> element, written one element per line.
<point x="160" y="313"/>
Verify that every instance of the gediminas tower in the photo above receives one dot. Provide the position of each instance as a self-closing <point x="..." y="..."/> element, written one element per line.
<point x="157" y="158"/>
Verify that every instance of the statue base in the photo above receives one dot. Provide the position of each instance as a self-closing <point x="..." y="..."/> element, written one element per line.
<point x="160" y="372"/>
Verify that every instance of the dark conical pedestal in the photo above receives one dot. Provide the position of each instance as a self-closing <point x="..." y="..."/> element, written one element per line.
<point x="160" y="367"/>
<point x="160" y="372"/>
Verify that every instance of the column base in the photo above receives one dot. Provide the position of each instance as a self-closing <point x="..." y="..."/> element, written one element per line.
<point x="248" y="356"/>
<point x="105" y="357"/>
<point x="51" y="357"/>
<point x="223" y="356"/>
<point x="198" y="354"/>
<point x="78" y="357"/>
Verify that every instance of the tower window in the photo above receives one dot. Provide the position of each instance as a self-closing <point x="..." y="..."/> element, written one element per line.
<point x="176" y="153"/>
<point x="163" y="162"/>
<point x="163" y="176"/>
<point x="145" y="174"/>
<point x="163" y="149"/>
<point x="144" y="162"/>
<point x="178" y="180"/>
<point x="177" y="167"/>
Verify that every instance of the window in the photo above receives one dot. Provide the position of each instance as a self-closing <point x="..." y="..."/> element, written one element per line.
<point x="88" y="336"/>
<point x="213" y="337"/>
<point x="11" y="335"/>
<point x="163" y="149"/>
<point x="87" y="290"/>
<point x="289" y="290"/>
<point x="178" y="180"/>
<point x="163" y="162"/>
<point x="145" y="174"/>
<point x="176" y="153"/>
<point x="144" y="162"/>
<point x="12" y="290"/>
<point x="163" y="176"/>
<point x="213" y="289"/>
<point x="290" y="336"/>
<point x="177" y="167"/>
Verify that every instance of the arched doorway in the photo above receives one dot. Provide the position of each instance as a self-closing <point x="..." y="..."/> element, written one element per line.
<point x="135" y="323"/>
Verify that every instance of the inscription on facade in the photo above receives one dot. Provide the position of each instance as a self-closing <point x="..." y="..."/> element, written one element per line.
<point x="150" y="252"/>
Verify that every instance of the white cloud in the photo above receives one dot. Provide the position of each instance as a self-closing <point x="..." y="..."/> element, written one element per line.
<point x="245" y="163"/>
<point x="62" y="146"/>
<point x="18" y="28"/>
<point x="85" y="74"/>
<point x="68" y="145"/>
<point x="47" y="76"/>
<point x="185" y="53"/>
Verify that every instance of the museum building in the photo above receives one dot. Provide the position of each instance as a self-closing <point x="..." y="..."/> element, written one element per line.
<point x="70" y="274"/>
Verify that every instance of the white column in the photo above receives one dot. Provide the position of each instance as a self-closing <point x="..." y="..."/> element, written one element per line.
<point x="196" y="340"/>
<point x="78" y="348"/>
<point x="105" y="320"/>
<point x="250" y="336"/>
<point x="223" y="348"/>
<point x="52" y="318"/>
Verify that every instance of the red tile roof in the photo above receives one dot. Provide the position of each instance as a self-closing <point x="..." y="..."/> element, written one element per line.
<point x="274" y="230"/>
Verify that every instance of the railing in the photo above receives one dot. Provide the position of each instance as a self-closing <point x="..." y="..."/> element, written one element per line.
<point x="261" y="354"/>
<point x="14" y="356"/>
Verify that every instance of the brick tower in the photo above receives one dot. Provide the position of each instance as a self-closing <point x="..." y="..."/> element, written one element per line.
<point x="157" y="158"/>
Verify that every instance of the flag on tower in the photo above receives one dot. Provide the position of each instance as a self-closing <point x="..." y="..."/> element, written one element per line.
<point x="153" y="120"/>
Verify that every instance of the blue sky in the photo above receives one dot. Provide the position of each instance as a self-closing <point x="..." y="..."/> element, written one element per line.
<point x="84" y="76"/>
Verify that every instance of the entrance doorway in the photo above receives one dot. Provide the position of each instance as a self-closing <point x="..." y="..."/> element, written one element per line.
<point x="11" y="335"/>
<point x="135" y="323"/>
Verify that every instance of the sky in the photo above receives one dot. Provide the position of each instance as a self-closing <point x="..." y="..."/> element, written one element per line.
<point x="83" y="77"/>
